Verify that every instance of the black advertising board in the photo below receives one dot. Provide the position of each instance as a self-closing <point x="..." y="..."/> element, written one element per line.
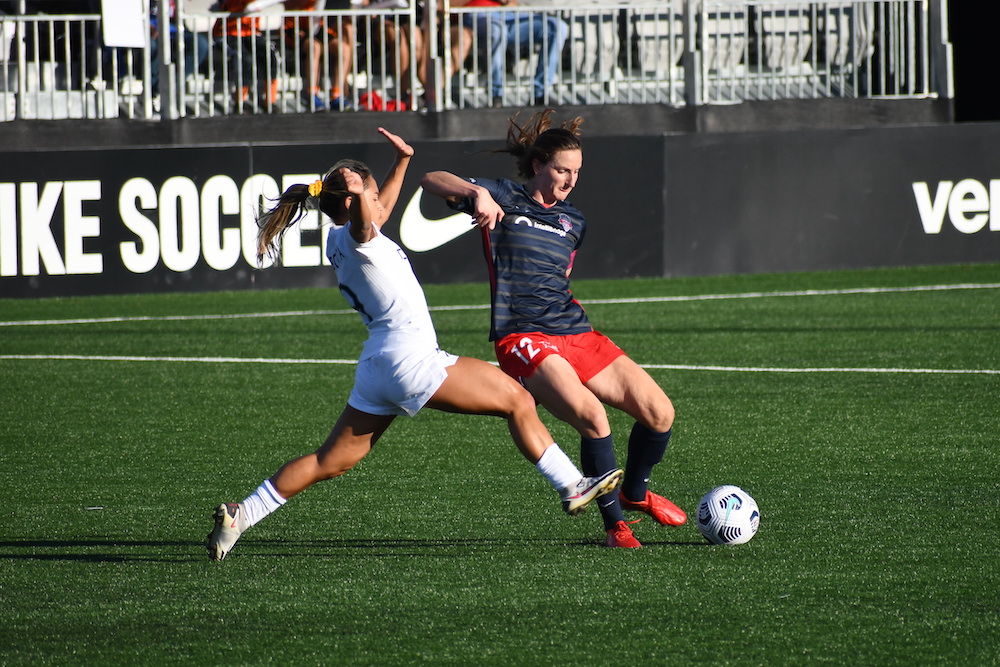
<point x="183" y="218"/>
<point x="824" y="200"/>
<point x="118" y="221"/>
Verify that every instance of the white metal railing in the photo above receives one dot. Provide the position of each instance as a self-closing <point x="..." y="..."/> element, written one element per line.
<point x="675" y="52"/>
<point x="766" y="49"/>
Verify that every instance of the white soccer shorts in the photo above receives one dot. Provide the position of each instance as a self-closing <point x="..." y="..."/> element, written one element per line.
<point x="399" y="382"/>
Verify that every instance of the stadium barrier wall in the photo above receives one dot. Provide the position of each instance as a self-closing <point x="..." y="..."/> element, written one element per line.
<point x="135" y="220"/>
<point x="827" y="200"/>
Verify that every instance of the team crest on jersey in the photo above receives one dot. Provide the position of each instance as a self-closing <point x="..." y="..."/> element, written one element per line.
<point x="565" y="223"/>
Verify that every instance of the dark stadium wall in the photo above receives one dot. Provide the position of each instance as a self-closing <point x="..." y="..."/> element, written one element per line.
<point x="773" y="202"/>
<point x="133" y="220"/>
<point x="610" y="120"/>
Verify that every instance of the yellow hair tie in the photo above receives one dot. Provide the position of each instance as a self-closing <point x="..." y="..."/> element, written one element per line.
<point x="316" y="189"/>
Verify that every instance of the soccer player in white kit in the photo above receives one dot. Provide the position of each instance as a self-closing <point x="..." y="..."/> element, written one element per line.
<point x="401" y="368"/>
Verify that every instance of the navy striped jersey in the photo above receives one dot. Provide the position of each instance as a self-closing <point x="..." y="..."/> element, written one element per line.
<point x="528" y="255"/>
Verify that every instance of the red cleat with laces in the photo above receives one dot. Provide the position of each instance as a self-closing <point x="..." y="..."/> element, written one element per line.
<point x="658" y="507"/>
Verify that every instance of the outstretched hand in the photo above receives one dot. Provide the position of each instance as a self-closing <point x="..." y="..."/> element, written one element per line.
<point x="403" y="149"/>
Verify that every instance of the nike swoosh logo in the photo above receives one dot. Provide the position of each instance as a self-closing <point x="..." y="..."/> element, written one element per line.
<point x="419" y="234"/>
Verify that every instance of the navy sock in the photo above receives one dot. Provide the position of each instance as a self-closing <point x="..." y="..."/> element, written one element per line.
<point x="645" y="449"/>
<point x="597" y="456"/>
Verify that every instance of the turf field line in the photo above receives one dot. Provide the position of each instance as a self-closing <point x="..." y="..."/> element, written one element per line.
<point x="197" y="360"/>
<point x="766" y="369"/>
<point x="348" y="362"/>
<point x="795" y="293"/>
<point x="631" y="300"/>
<point x="174" y="318"/>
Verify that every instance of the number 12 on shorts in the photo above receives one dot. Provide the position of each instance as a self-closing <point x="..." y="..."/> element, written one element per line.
<point x="525" y="350"/>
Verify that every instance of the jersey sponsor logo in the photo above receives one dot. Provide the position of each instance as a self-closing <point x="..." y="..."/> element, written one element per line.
<point x="536" y="224"/>
<point x="421" y="234"/>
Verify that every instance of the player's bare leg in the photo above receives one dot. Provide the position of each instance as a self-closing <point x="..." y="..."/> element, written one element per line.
<point x="475" y="387"/>
<point x="350" y="440"/>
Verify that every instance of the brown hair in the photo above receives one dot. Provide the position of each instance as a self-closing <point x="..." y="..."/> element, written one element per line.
<point x="536" y="140"/>
<point x="293" y="203"/>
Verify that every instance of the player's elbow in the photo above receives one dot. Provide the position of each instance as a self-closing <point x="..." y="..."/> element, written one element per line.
<point x="429" y="182"/>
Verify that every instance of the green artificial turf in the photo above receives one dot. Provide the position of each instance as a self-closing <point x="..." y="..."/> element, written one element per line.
<point x="878" y="491"/>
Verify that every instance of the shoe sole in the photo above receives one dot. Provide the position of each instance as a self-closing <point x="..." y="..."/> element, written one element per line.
<point x="606" y="486"/>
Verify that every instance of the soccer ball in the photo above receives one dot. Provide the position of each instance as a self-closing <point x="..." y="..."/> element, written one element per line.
<point x="728" y="515"/>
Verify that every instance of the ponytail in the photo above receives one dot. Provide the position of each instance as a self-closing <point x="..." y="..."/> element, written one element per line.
<point x="273" y="223"/>
<point x="329" y="193"/>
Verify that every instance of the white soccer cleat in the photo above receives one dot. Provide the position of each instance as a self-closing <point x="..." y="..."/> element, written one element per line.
<point x="229" y="525"/>
<point x="588" y="489"/>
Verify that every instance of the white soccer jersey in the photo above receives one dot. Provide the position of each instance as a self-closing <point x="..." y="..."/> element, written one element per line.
<point x="377" y="280"/>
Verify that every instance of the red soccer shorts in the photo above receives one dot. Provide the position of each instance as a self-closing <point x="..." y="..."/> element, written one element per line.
<point x="589" y="353"/>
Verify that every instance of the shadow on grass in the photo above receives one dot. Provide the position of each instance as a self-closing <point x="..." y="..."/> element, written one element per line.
<point x="410" y="547"/>
<point x="167" y="551"/>
<point x="102" y="551"/>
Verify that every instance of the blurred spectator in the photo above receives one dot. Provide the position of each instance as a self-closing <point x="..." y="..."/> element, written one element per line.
<point x="393" y="41"/>
<point x="461" y="43"/>
<point x="310" y="33"/>
<point x="64" y="42"/>
<point x="246" y="46"/>
<point x="492" y="32"/>
<point x="195" y="45"/>
<point x="513" y="33"/>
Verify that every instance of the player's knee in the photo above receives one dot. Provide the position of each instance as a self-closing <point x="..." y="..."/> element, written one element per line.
<point x="592" y="420"/>
<point x="659" y="417"/>
<point x="518" y="400"/>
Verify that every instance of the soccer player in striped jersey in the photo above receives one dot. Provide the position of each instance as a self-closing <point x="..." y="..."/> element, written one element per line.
<point x="401" y="369"/>
<point x="541" y="334"/>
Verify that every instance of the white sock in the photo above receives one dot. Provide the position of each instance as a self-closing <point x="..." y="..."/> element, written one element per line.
<point x="556" y="467"/>
<point x="261" y="502"/>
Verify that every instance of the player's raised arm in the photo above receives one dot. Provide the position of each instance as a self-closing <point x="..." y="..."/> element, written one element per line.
<point x="393" y="183"/>
<point x="365" y="209"/>
<point x="485" y="211"/>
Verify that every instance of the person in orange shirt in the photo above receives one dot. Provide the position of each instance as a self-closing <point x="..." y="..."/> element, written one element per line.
<point x="248" y="49"/>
